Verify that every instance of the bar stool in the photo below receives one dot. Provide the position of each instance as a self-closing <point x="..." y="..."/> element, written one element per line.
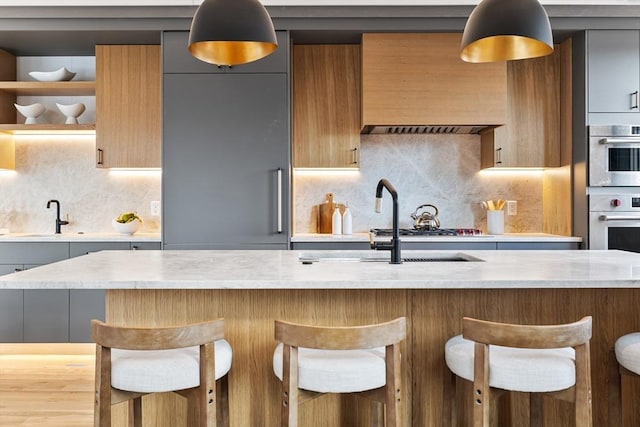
<point x="548" y="360"/>
<point x="188" y="360"/>
<point x="627" y="354"/>
<point x="313" y="360"/>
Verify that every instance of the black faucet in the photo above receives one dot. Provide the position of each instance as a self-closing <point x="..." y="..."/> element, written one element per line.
<point x="394" y="245"/>
<point x="59" y="222"/>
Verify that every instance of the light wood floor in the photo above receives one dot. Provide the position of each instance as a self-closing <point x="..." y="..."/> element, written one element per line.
<point x="46" y="390"/>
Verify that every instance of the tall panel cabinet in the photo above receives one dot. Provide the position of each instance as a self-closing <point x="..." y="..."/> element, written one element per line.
<point x="226" y="151"/>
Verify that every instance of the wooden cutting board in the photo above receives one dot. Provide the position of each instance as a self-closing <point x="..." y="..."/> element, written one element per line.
<point x="325" y="213"/>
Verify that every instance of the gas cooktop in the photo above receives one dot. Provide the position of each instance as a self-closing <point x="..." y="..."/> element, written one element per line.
<point x="436" y="232"/>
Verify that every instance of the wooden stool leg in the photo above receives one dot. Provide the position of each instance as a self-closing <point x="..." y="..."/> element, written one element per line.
<point x="615" y="391"/>
<point x="377" y="414"/>
<point x="135" y="412"/>
<point x="223" y="401"/>
<point x="536" y="410"/>
<point x="102" y="392"/>
<point x="449" y="407"/>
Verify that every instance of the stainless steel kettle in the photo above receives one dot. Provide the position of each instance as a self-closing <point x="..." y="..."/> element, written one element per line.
<point x="425" y="220"/>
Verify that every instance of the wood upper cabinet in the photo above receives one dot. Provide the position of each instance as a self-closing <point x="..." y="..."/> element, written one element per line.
<point x="419" y="79"/>
<point x="531" y="137"/>
<point x="326" y="106"/>
<point x="128" y="106"/>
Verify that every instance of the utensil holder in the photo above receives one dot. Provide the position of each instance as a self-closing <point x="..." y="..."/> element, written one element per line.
<point x="495" y="222"/>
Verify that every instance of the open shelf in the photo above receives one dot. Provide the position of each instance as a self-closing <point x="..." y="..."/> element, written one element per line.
<point x="69" y="88"/>
<point x="48" y="129"/>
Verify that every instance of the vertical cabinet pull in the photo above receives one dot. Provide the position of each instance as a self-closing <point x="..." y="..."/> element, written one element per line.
<point x="354" y="159"/>
<point x="634" y="100"/>
<point x="499" y="156"/>
<point x="100" y="156"/>
<point x="279" y="201"/>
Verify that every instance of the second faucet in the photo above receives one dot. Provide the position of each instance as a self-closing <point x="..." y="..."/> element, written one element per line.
<point x="59" y="222"/>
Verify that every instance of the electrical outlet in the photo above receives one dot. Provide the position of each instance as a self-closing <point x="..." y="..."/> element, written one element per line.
<point x="512" y="207"/>
<point x="155" y="208"/>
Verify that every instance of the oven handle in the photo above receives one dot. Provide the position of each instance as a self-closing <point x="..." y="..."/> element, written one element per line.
<point x="613" y="141"/>
<point x="619" y="217"/>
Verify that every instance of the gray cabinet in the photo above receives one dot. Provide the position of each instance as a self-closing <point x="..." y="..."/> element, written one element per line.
<point x="613" y="71"/>
<point x="51" y="315"/>
<point x="11" y="302"/>
<point x="226" y="151"/>
<point x="177" y="59"/>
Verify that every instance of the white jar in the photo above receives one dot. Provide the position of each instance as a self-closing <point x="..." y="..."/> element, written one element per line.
<point x="336" y="222"/>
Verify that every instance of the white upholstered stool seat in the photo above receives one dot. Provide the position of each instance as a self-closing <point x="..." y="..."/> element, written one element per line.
<point x="313" y="360"/>
<point x="628" y="352"/>
<point x="156" y="371"/>
<point x="516" y="369"/>
<point x="541" y="360"/>
<point x="191" y="360"/>
<point x="336" y="371"/>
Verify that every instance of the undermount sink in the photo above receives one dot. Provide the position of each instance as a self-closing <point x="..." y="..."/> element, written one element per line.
<point x="310" y="258"/>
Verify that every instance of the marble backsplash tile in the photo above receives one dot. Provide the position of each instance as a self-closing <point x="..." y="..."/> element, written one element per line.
<point x="63" y="168"/>
<point x="443" y="170"/>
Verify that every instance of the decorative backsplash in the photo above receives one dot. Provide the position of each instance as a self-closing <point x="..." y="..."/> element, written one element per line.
<point x="63" y="168"/>
<point x="443" y="170"/>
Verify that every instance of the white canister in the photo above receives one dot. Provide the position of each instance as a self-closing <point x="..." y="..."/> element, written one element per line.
<point x="336" y="222"/>
<point x="495" y="222"/>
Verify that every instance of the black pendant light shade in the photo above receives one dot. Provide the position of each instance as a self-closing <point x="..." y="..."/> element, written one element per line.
<point x="231" y="32"/>
<point x="502" y="30"/>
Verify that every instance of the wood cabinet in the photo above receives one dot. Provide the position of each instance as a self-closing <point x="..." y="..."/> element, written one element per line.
<point x="419" y="79"/>
<point x="326" y="106"/>
<point x="531" y="136"/>
<point x="128" y="106"/>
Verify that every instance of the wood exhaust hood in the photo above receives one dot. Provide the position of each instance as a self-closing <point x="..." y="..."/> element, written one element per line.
<point x="416" y="83"/>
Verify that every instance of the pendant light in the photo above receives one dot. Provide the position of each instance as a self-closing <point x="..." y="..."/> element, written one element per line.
<point x="502" y="30"/>
<point x="231" y="32"/>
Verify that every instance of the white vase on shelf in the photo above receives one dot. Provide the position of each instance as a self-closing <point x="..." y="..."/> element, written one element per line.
<point x="31" y="112"/>
<point x="71" y="111"/>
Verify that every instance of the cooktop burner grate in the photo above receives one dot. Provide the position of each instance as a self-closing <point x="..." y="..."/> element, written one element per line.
<point x="437" y="232"/>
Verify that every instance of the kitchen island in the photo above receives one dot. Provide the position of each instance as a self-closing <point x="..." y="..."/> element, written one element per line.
<point x="252" y="288"/>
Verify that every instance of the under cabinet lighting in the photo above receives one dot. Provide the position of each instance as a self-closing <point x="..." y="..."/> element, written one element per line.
<point x="135" y="172"/>
<point x="7" y="172"/>
<point x="512" y="171"/>
<point x="326" y="172"/>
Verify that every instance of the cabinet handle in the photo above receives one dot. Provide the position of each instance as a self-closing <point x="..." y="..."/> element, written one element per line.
<point x="499" y="156"/>
<point x="18" y="270"/>
<point x="100" y="156"/>
<point x="279" y="201"/>
<point x="134" y="248"/>
<point x="634" y="100"/>
<point x="355" y="156"/>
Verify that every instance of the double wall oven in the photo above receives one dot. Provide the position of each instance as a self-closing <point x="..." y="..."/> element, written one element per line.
<point x="614" y="187"/>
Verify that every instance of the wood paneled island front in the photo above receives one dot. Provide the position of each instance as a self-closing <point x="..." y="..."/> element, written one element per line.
<point x="251" y="289"/>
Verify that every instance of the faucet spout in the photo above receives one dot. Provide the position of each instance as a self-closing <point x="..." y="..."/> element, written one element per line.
<point x="394" y="245"/>
<point x="59" y="222"/>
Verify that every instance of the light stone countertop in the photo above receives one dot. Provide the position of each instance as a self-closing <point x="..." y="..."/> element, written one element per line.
<point x="282" y="270"/>
<point x="508" y="237"/>
<point x="79" y="237"/>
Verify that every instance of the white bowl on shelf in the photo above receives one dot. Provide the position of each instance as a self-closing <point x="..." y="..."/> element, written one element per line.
<point x="53" y="76"/>
<point x="71" y="111"/>
<point x="31" y="112"/>
<point x="127" y="228"/>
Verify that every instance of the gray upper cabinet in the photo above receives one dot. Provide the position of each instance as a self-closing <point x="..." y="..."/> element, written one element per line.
<point x="226" y="157"/>
<point x="177" y="59"/>
<point x="613" y="71"/>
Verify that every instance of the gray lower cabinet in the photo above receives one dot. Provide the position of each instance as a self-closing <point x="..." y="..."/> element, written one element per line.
<point x="51" y="315"/>
<point x="11" y="303"/>
<point x="441" y="246"/>
<point x="46" y="315"/>
<point x="226" y="156"/>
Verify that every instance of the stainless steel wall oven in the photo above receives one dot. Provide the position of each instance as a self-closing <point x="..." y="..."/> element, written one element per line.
<point x="614" y="156"/>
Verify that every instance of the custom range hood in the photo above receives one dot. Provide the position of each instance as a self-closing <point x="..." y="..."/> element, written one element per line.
<point x="416" y="83"/>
